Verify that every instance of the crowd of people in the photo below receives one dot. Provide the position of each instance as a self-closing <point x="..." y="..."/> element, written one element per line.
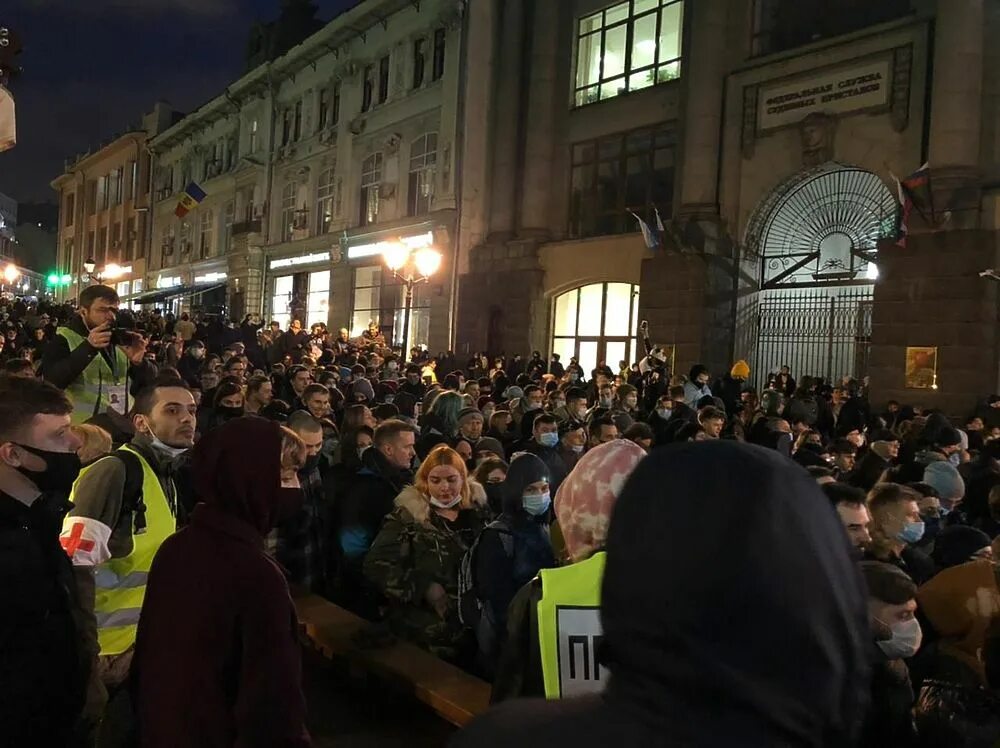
<point x="670" y="560"/>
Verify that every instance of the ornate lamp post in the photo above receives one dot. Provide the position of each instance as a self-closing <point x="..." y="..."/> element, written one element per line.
<point x="410" y="268"/>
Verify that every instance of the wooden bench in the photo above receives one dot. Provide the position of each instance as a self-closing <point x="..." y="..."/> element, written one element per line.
<point x="454" y="694"/>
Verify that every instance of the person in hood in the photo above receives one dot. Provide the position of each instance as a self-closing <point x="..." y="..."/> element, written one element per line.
<point x="583" y="506"/>
<point x="512" y="550"/>
<point x="896" y="636"/>
<point x="415" y="559"/>
<point x="735" y="654"/>
<point x="697" y="385"/>
<point x="217" y="655"/>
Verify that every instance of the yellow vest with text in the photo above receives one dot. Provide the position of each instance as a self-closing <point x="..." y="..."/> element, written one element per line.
<point x="121" y="582"/>
<point x="569" y="628"/>
<point x="91" y="391"/>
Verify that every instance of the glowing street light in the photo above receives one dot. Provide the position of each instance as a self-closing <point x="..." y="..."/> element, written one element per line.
<point x="11" y="274"/>
<point x="426" y="261"/>
<point x="112" y="272"/>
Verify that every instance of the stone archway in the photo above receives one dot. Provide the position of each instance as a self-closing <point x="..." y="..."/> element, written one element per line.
<point x="814" y="239"/>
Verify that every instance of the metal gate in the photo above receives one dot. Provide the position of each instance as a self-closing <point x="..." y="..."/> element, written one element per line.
<point x="823" y="332"/>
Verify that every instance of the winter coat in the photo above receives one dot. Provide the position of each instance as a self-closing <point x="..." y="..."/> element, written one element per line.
<point x="957" y="716"/>
<point x="369" y="497"/>
<point x="217" y="659"/>
<point x="43" y="670"/>
<point x="415" y="548"/>
<point x="725" y="667"/>
<point x="868" y="470"/>
<point x="553" y="461"/>
<point x="889" y="721"/>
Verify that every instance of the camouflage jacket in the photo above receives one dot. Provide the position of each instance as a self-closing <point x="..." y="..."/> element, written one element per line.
<point x="415" y="548"/>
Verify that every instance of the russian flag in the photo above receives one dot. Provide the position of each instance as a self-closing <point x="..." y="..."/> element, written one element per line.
<point x="190" y="198"/>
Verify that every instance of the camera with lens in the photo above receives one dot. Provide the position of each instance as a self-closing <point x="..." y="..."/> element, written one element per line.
<point x="123" y="331"/>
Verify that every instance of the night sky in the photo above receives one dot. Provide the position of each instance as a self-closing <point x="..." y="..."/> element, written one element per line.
<point x="92" y="67"/>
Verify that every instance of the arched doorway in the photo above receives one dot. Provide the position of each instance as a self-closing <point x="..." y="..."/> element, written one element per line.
<point x="815" y="240"/>
<point x="597" y="322"/>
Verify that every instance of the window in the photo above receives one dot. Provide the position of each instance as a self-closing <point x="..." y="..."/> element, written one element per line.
<point x="785" y="24"/>
<point x="130" y="237"/>
<point x="185" y="238"/>
<point x="122" y="289"/>
<point x="206" y="239"/>
<point x="369" y="88"/>
<point x="371" y="177"/>
<point x="116" y="238"/>
<point x="383" y="79"/>
<point x="423" y="160"/>
<point x="137" y="286"/>
<point x="91" y="197"/>
<point x="70" y="209"/>
<point x="318" y="299"/>
<point x="419" y="62"/>
<point x="286" y="126"/>
<point x="252" y="146"/>
<point x="378" y="294"/>
<point x="324" y="108"/>
<point x="297" y="128"/>
<point x="131" y="188"/>
<point x="102" y="193"/>
<point x="335" y="105"/>
<point x="281" y="300"/>
<point x="628" y="47"/>
<point x="115" y="185"/>
<point x="367" y="296"/>
<point x="440" y="48"/>
<point x="68" y="261"/>
<point x="228" y="214"/>
<point x="324" y="201"/>
<point x="90" y="245"/>
<point x="167" y="243"/>
<point x="288" y="197"/>
<point x="598" y="323"/>
<point x="102" y="244"/>
<point x="614" y="175"/>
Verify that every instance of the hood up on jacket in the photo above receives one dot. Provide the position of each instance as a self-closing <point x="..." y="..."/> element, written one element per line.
<point x="524" y="470"/>
<point x="237" y="470"/>
<point x="732" y="612"/>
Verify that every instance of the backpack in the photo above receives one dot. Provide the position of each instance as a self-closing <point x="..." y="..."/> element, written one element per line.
<point x="132" y="500"/>
<point x="470" y="604"/>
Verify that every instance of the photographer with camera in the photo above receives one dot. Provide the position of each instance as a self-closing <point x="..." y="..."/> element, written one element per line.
<point x="96" y="359"/>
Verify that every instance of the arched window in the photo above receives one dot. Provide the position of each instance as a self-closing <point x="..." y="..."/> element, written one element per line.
<point x="596" y="323"/>
<point x="371" y="178"/>
<point x="423" y="164"/>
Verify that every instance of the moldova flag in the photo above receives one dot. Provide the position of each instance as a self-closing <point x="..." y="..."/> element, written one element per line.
<point x="192" y="195"/>
<point x="914" y="192"/>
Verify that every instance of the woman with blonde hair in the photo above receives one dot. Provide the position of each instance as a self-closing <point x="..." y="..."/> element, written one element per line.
<point x="96" y="442"/>
<point x="416" y="558"/>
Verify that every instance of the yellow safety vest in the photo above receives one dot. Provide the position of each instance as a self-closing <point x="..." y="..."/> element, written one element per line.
<point x="569" y="628"/>
<point x="121" y="582"/>
<point x="93" y="391"/>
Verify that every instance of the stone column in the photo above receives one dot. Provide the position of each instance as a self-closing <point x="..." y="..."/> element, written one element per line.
<point x="506" y="120"/>
<point x="704" y="71"/>
<point x="543" y="98"/>
<point x="956" y="114"/>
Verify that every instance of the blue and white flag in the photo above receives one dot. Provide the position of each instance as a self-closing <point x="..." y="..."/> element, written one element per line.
<point x="652" y="236"/>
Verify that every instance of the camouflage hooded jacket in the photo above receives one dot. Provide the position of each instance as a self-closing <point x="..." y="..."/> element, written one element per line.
<point x="415" y="548"/>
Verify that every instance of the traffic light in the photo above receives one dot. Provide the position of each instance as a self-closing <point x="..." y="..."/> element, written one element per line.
<point x="55" y="280"/>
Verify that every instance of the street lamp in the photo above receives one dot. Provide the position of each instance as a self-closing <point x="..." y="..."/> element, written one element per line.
<point x="410" y="268"/>
<point x="11" y="274"/>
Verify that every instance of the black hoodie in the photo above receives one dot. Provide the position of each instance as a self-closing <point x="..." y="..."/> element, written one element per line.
<point x="732" y="615"/>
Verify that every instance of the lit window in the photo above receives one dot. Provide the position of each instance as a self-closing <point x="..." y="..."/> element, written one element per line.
<point x="281" y="300"/>
<point x="628" y="47"/>
<point x="205" y="241"/>
<point x="621" y="174"/>
<point x="371" y="178"/>
<point x="423" y="160"/>
<point x="597" y="323"/>
<point x="372" y="289"/>
<point x="324" y="201"/>
<point x="252" y="145"/>
<point x="288" y="196"/>
<point x="318" y="301"/>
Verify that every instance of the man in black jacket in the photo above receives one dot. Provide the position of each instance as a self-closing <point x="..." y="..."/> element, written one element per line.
<point x="42" y="668"/>
<point x="385" y="471"/>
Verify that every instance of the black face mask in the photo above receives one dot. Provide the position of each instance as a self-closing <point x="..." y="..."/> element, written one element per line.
<point x="61" y="469"/>
<point x="227" y="412"/>
<point x="494" y="496"/>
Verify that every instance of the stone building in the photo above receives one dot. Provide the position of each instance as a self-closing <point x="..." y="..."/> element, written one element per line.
<point x="765" y="133"/>
<point x="104" y="202"/>
<point x="309" y="164"/>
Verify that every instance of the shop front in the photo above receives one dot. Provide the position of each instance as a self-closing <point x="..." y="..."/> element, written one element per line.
<point x="298" y="287"/>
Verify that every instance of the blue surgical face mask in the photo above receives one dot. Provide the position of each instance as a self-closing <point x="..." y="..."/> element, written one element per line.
<point x="664" y="413"/>
<point x="548" y="440"/>
<point x="955" y="458"/>
<point x="536" y="504"/>
<point x="912" y="532"/>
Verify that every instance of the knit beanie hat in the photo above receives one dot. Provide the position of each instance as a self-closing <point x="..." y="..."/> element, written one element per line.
<point x="469" y="413"/>
<point x="524" y="470"/>
<point x="489" y="444"/>
<point x="945" y="479"/>
<point x="740" y="370"/>
<point x="363" y="387"/>
<point x="948" y="436"/>
<point x="955" y="545"/>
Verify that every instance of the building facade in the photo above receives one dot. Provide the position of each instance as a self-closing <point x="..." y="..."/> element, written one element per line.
<point x="765" y="133"/>
<point x="8" y="224"/>
<point x="309" y="164"/>
<point x="104" y="204"/>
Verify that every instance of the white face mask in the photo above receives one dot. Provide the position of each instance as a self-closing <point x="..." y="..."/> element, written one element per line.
<point x="446" y="505"/>
<point x="172" y="452"/>
<point x="906" y="639"/>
